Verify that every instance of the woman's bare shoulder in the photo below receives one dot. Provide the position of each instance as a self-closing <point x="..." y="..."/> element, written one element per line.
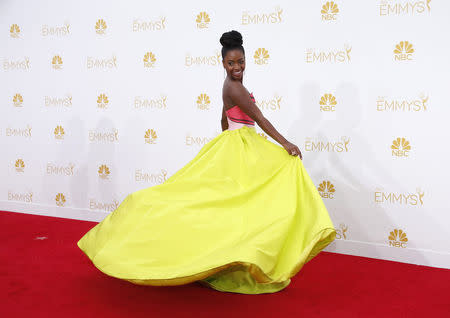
<point x="233" y="87"/>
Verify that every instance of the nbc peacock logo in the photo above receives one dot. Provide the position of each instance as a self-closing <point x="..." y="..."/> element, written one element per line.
<point x="326" y="189"/>
<point x="14" y="31"/>
<point x="59" y="132"/>
<point x="329" y="11"/>
<point x="103" y="172"/>
<point x="150" y="136"/>
<point x="57" y="62"/>
<point x="202" y="20"/>
<point x="18" y="100"/>
<point x="102" y="101"/>
<point x="100" y="26"/>
<point x="403" y="51"/>
<point x="203" y="101"/>
<point x="149" y="59"/>
<point x="60" y="199"/>
<point x="261" y="56"/>
<point x="341" y="232"/>
<point x="19" y="165"/>
<point x="328" y="103"/>
<point x="400" y="147"/>
<point x="397" y="238"/>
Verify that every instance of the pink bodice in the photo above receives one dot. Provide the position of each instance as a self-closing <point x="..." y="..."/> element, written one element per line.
<point x="237" y="118"/>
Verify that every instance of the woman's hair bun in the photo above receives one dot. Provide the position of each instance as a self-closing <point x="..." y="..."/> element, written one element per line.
<point x="231" y="39"/>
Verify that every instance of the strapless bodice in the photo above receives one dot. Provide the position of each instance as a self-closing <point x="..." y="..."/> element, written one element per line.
<point x="237" y="118"/>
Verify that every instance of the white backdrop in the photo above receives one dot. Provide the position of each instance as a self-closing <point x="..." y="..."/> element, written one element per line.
<point x="100" y="99"/>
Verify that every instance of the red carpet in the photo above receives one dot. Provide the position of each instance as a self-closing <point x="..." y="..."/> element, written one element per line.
<point x="44" y="274"/>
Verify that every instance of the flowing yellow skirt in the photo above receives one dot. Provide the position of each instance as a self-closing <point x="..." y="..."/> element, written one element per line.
<point x="243" y="216"/>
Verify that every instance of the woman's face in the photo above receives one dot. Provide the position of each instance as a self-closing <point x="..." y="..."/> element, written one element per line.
<point x="234" y="64"/>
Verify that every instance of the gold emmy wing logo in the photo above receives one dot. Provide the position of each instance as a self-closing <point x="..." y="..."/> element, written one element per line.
<point x="103" y="172"/>
<point x="328" y="103"/>
<point x="339" y="145"/>
<point x="150" y="136"/>
<point x="404" y="8"/>
<point x="17" y="100"/>
<point x="262" y="135"/>
<point x="405" y="198"/>
<point x="340" y="233"/>
<point x="403" y="51"/>
<point x="57" y="62"/>
<point x="270" y="104"/>
<point x="60" y="199"/>
<point x="202" y="20"/>
<point x="400" y="147"/>
<point x="14" y="31"/>
<point x="313" y="55"/>
<point x="100" y="26"/>
<point x="329" y="11"/>
<point x="59" y="132"/>
<point x="20" y="165"/>
<point x="203" y="101"/>
<point x="397" y="238"/>
<point x="326" y="190"/>
<point x="261" y="56"/>
<point x="149" y="59"/>
<point x="102" y="101"/>
<point x="403" y="104"/>
<point x="262" y="18"/>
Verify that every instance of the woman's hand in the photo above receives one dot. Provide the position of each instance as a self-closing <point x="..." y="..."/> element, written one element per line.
<point x="292" y="149"/>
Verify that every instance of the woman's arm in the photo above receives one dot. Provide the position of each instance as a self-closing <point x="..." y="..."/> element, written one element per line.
<point x="224" y="120"/>
<point x="240" y="96"/>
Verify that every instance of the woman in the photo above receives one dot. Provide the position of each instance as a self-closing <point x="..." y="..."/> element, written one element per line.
<point x="243" y="216"/>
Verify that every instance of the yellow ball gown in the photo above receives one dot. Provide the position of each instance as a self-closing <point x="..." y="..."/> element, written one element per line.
<point x="243" y="216"/>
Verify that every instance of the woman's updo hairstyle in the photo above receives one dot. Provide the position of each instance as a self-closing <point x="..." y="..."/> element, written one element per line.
<point x="230" y="41"/>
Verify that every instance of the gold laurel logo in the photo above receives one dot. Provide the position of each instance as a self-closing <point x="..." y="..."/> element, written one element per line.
<point x="397" y="238"/>
<point x="202" y="20"/>
<point x="261" y="56"/>
<point x="20" y="165"/>
<point x="149" y="59"/>
<point x="203" y="101"/>
<point x="103" y="171"/>
<point x="329" y="11"/>
<point x="150" y="136"/>
<point x="59" y="132"/>
<point x="100" y="26"/>
<point x="340" y="233"/>
<point x="328" y="103"/>
<point x="14" y="31"/>
<point x="326" y="189"/>
<point x="262" y="135"/>
<point x="17" y="100"/>
<point x="57" y="62"/>
<point x="400" y="147"/>
<point x="102" y="101"/>
<point x="403" y="51"/>
<point x="60" y="199"/>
